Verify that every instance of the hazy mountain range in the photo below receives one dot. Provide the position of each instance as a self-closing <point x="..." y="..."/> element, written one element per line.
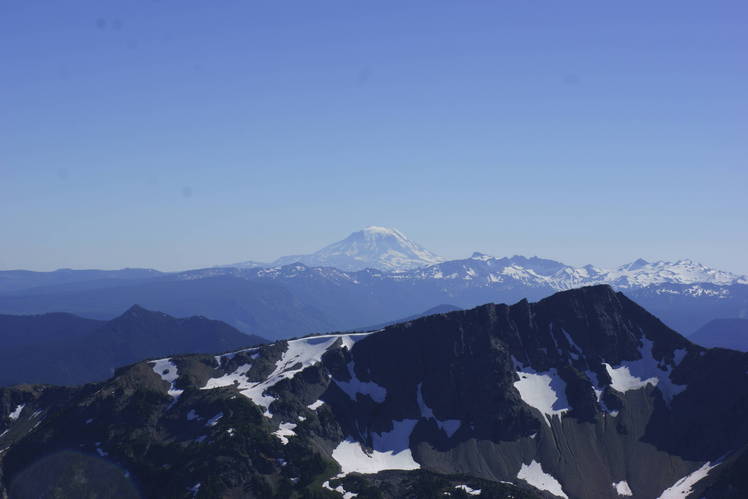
<point x="64" y="349"/>
<point x="389" y="249"/>
<point x="581" y="395"/>
<point x="294" y="299"/>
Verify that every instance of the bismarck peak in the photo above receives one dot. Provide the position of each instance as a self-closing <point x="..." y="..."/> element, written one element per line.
<point x="375" y="247"/>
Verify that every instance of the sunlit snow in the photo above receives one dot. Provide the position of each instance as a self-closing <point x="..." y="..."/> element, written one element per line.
<point x="545" y="392"/>
<point x="468" y="490"/>
<point x="684" y="487"/>
<point x="636" y="374"/>
<point x="315" y="405"/>
<point x="339" y="489"/>
<point x="168" y="372"/>
<point x="622" y="488"/>
<point x="16" y="412"/>
<point x="284" y="431"/>
<point x="534" y="475"/>
<point x="391" y="451"/>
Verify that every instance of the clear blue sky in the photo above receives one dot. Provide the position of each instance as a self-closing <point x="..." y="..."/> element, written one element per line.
<point x="179" y="134"/>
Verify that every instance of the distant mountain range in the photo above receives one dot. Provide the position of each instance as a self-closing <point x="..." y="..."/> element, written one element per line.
<point x="64" y="349"/>
<point x="581" y="395"/>
<point x="295" y="299"/>
<point x="24" y="280"/>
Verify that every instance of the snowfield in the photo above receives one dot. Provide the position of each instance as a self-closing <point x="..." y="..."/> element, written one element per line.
<point x="391" y="451"/>
<point x="636" y="374"/>
<point x="545" y="392"/>
<point x="167" y="371"/>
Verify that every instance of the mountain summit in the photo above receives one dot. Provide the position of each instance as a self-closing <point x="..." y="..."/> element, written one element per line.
<point x="375" y="247"/>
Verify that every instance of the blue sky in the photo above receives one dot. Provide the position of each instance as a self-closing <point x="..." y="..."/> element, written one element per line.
<point x="184" y="134"/>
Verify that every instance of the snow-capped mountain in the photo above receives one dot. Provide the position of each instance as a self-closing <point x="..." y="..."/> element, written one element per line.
<point x="642" y="273"/>
<point x="374" y="247"/>
<point x="558" y="276"/>
<point x="294" y="299"/>
<point x="581" y="395"/>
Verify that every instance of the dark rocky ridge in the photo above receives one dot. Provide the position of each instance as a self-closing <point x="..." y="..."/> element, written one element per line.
<point x="464" y="366"/>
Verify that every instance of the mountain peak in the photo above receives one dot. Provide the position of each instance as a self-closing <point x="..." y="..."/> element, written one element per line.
<point x="636" y="264"/>
<point x="477" y="255"/>
<point x="382" y="231"/>
<point x="137" y="312"/>
<point x="377" y="247"/>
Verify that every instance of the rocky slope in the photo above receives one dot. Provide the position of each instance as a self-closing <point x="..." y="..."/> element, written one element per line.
<point x="581" y="395"/>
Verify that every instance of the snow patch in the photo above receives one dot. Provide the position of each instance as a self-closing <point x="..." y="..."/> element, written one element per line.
<point x="214" y="420"/>
<point x="545" y="392"/>
<point x="636" y="374"/>
<point x="167" y="371"/>
<point x="339" y="489"/>
<point x="622" y="488"/>
<point x="684" y="487"/>
<point x="284" y="431"/>
<point x="237" y="377"/>
<point x="468" y="490"/>
<point x="16" y="413"/>
<point x="391" y="451"/>
<point x="534" y="475"/>
<point x="315" y="405"/>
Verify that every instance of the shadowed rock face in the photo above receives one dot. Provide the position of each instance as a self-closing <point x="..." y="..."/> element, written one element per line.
<point x="564" y="397"/>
